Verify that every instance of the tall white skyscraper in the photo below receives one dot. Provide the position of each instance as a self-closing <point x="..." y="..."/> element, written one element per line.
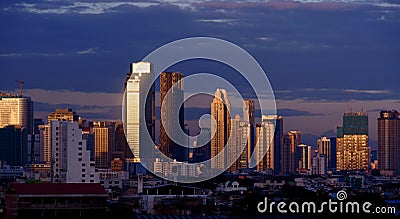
<point x="70" y="158"/>
<point x="140" y="103"/>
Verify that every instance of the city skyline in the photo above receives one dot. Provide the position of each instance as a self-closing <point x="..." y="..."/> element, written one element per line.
<point x="309" y="65"/>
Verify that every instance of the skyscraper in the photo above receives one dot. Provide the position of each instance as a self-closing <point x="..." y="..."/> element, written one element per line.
<point x="303" y="158"/>
<point x="171" y="83"/>
<point x="70" y="159"/>
<point x="237" y="150"/>
<point x="248" y="116"/>
<point x="16" y="110"/>
<point x="220" y="111"/>
<point x="290" y="142"/>
<point x="352" y="151"/>
<point x="278" y="140"/>
<point x="318" y="166"/>
<point x="104" y="139"/>
<point x="389" y="141"/>
<point x="324" y="147"/>
<point x="45" y="143"/>
<point x="264" y="148"/>
<point x="140" y="108"/>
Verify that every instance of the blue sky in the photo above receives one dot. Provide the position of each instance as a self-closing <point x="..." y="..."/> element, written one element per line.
<point x="76" y="53"/>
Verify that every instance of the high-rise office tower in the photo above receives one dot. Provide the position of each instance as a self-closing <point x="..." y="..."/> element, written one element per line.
<point x="389" y="141"/>
<point x="248" y="116"/>
<point x="140" y="109"/>
<point x="290" y="142"/>
<point x="278" y="140"/>
<point x="121" y="150"/>
<point x="237" y="150"/>
<point x="264" y="149"/>
<point x="104" y="139"/>
<point x="13" y="145"/>
<point x="88" y="135"/>
<point x="324" y="147"/>
<point x="303" y="158"/>
<point x="34" y="141"/>
<point x="171" y="83"/>
<point x="220" y="111"/>
<point x="352" y="151"/>
<point x="16" y="110"/>
<point x="333" y="153"/>
<point x="63" y="115"/>
<point x="70" y="159"/>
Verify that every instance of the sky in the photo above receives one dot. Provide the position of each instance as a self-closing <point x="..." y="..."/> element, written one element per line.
<point x="322" y="57"/>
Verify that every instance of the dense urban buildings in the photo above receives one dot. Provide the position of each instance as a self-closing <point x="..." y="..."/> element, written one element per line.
<point x="220" y="111"/>
<point x="171" y="98"/>
<point x="352" y="151"/>
<point x="70" y="161"/>
<point x="389" y="141"/>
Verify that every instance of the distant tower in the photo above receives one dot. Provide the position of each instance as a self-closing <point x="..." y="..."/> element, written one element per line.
<point x="324" y="147"/>
<point x="63" y="115"/>
<point x="16" y="110"/>
<point x="303" y="158"/>
<point x="290" y="142"/>
<point x="265" y="144"/>
<point x="171" y="82"/>
<point x="389" y="141"/>
<point x="248" y="116"/>
<point x="220" y="111"/>
<point x="140" y="104"/>
<point x="104" y="140"/>
<point x="352" y="151"/>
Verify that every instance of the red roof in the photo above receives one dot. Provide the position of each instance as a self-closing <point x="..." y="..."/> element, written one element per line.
<point x="58" y="188"/>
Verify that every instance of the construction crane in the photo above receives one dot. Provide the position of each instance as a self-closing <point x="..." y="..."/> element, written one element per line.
<point x="347" y="101"/>
<point x="20" y="87"/>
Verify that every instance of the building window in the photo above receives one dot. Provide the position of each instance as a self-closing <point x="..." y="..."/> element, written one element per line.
<point x="80" y="159"/>
<point x="80" y="143"/>
<point x="56" y="128"/>
<point x="83" y="170"/>
<point x="56" y="149"/>
<point x="80" y="154"/>
<point x="83" y="180"/>
<point x="56" y="133"/>
<point x="80" y="148"/>
<point x="83" y="175"/>
<point x="91" y="181"/>
<point x="83" y="164"/>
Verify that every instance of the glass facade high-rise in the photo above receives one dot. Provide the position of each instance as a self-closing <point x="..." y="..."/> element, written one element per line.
<point x="16" y="110"/>
<point x="278" y="140"/>
<point x="13" y="145"/>
<point x="303" y="158"/>
<point x="171" y="96"/>
<point x="352" y="151"/>
<point x="389" y="141"/>
<point x="140" y="108"/>
<point x="220" y="111"/>
<point x="248" y="116"/>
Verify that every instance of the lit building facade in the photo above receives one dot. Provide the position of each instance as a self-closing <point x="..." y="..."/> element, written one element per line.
<point x="248" y="116"/>
<point x="264" y="149"/>
<point x="140" y="108"/>
<point x="63" y="115"/>
<point x="288" y="155"/>
<point x="220" y="111"/>
<point x="104" y="139"/>
<point x="16" y="110"/>
<point x="352" y="151"/>
<point x="324" y="147"/>
<point x="389" y="141"/>
<point x="303" y="158"/>
<point x="171" y="83"/>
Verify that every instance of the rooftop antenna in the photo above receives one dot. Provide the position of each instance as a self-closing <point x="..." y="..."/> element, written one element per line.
<point x="20" y="87"/>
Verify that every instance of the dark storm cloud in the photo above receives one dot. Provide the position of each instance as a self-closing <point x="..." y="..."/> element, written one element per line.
<point x="88" y="45"/>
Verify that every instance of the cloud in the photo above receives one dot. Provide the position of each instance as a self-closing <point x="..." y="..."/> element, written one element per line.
<point x="55" y="97"/>
<point x="218" y="21"/>
<point x="368" y="91"/>
<point x="86" y="51"/>
<point x="31" y="54"/>
<point x="293" y="112"/>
